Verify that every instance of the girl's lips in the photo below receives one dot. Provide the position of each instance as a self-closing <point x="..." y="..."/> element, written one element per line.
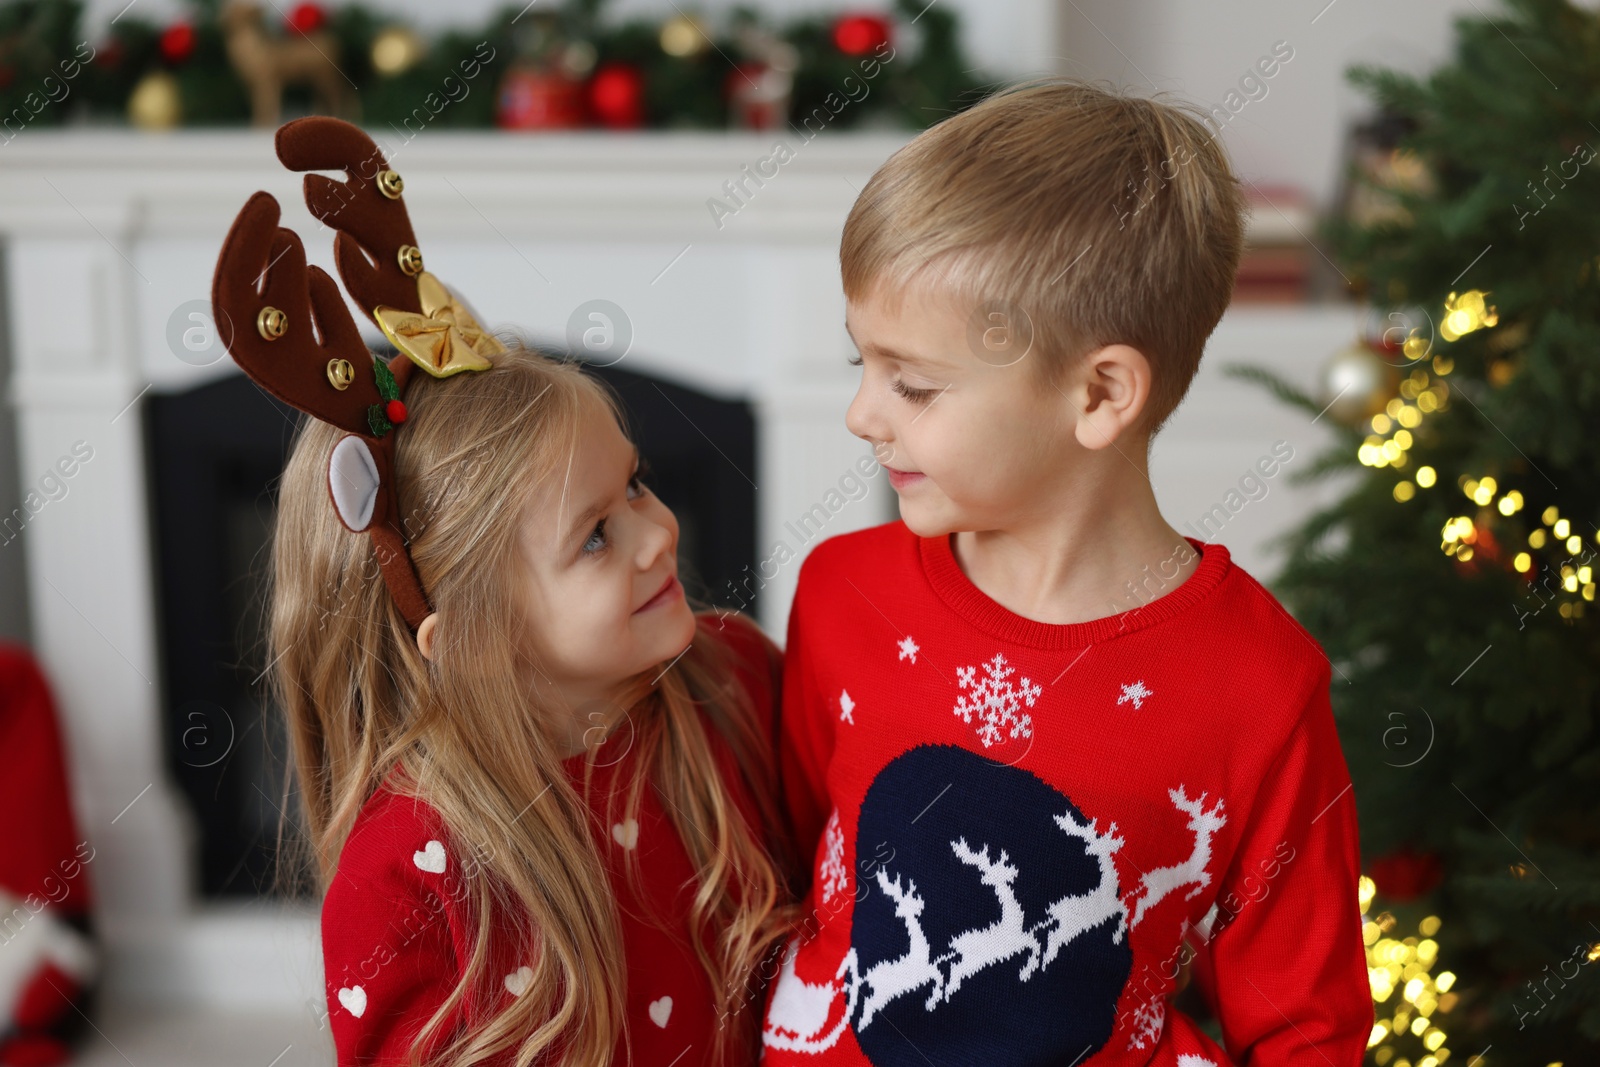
<point x="901" y="479"/>
<point x="669" y="589"/>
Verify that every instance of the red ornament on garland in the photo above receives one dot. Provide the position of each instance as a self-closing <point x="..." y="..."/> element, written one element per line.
<point x="1405" y="874"/>
<point x="307" y="18"/>
<point x="533" y="99"/>
<point x="616" y="96"/>
<point x="856" y="35"/>
<point x="177" y="43"/>
<point x="395" y="411"/>
<point x="108" y="55"/>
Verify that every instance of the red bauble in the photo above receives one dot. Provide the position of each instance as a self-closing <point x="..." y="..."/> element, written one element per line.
<point x="616" y="96"/>
<point x="538" y="100"/>
<point x="1405" y="874"/>
<point x="307" y="18"/>
<point x="856" y="35"/>
<point x="177" y="42"/>
<point x="395" y="411"/>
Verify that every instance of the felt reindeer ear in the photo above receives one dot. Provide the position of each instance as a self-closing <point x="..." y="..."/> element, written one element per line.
<point x="353" y="482"/>
<point x="286" y="324"/>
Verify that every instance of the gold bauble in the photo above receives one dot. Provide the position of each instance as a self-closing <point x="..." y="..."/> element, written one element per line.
<point x="1357" y="383"/>
<point x="684" y="36"/>
<point x="395" y="51"/>
<point x="156" y="103"/>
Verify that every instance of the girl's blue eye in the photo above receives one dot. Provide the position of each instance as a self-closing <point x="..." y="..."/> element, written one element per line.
<point x="636" y="483"/>
<point x="597" y="539"/>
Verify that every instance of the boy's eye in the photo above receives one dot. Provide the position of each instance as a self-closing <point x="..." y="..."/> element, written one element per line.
<point x="855" y="360"/>
<point x="912" y="393"/>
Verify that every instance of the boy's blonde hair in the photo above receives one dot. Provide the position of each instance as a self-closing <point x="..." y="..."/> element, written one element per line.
<point x="470" y="736"/>
<point x="1091" y="217"/>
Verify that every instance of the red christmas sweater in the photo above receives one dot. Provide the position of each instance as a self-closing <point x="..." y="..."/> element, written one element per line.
<point x="1018" y="826"/>
<point x="396" y="933"/>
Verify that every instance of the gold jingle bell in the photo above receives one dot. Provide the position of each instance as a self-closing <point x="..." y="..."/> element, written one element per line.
<point x="390" y="184"/>
<point x="410" y="257"/>
<point x="271" y="323"/>
<point x="341" y="373"/>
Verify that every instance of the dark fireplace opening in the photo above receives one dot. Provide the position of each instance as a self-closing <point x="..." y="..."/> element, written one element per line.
<point x="214" y="457"/>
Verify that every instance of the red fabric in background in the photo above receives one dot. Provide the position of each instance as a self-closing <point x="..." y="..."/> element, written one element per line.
<point x="41" y="854"/>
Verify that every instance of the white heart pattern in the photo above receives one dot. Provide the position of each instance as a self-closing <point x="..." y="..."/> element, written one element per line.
<point x="431" y="858"/>
<point x="354" y="1000"/>
<point x="517" y="981"/>
<point x="626" y="834"/>
<point x="661" y="1011"/>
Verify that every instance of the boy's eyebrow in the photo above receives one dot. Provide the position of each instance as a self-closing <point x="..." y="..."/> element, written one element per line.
<point x="890" y="353"/>
<point x="593" y="511"/>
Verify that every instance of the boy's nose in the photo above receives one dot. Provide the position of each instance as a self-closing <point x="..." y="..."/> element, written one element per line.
<point x="861" y="419"/>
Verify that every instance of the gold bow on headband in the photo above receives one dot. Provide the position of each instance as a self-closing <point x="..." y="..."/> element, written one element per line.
<point x="444" y="339"/>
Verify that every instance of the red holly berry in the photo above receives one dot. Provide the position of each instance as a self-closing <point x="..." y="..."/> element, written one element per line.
<point x="395" y="411"/>
<point x="856" y="35"/>
<point x="307" y="18"/>
<point x="177" y="42"/>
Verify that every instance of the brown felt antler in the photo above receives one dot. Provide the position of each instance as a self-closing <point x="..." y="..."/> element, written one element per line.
<point x="365" y="208"/>
<point x="287" y="326"/>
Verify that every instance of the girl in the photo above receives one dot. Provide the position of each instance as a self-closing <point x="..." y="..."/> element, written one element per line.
<point x="541" y="824"/>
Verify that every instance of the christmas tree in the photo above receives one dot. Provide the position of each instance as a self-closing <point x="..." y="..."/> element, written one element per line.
<point x="1453" y="587"/>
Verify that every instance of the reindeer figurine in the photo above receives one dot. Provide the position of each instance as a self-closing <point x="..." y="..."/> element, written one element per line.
<point x="267" y="64"/>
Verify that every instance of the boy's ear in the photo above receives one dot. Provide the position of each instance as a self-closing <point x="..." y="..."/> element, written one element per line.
<point x="425" y="635"/>
<point x="1109" y="388"/>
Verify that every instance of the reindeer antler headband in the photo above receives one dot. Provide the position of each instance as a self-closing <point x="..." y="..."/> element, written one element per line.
<point x="266" y="301"/>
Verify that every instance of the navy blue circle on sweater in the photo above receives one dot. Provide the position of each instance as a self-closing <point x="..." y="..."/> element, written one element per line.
<point x="989" y="928"/>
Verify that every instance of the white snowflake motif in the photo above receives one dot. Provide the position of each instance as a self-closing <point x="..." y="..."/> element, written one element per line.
<point x="909" y="649"/>
<point x="846" y="707"/>
<point x="996" y="701"/>
<point x="1148" y="1022"/>
<point x="1136" y="693"/>
<point x="835" y="875"/>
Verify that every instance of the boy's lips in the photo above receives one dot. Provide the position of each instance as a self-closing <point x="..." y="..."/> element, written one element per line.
<point x="669" y="589"/>
<point x="900" y="479"/>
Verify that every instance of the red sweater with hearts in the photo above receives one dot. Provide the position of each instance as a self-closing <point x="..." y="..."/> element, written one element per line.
<point x="396" y="932"/>
<point x="1018" y="827"/>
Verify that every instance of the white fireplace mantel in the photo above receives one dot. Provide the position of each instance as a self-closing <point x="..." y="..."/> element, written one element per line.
<point x="110" y="234"/>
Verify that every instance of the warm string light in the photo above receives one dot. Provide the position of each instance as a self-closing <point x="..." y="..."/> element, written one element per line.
<point x="1391" y="439"/>
<point x="1405" y="1026"/>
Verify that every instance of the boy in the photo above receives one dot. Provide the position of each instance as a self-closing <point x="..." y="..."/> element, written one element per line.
<point x="1025" y="806"/>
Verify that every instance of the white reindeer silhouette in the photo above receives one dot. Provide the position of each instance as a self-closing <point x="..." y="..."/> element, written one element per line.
<point x="891" y="979"/>
<point x="1002" y="939"/>
<point x="1070" y="916"/>
<point x="1157" y="883"/>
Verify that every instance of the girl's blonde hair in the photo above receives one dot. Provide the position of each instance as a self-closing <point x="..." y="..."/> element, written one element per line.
<point x="469" y="737"/>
